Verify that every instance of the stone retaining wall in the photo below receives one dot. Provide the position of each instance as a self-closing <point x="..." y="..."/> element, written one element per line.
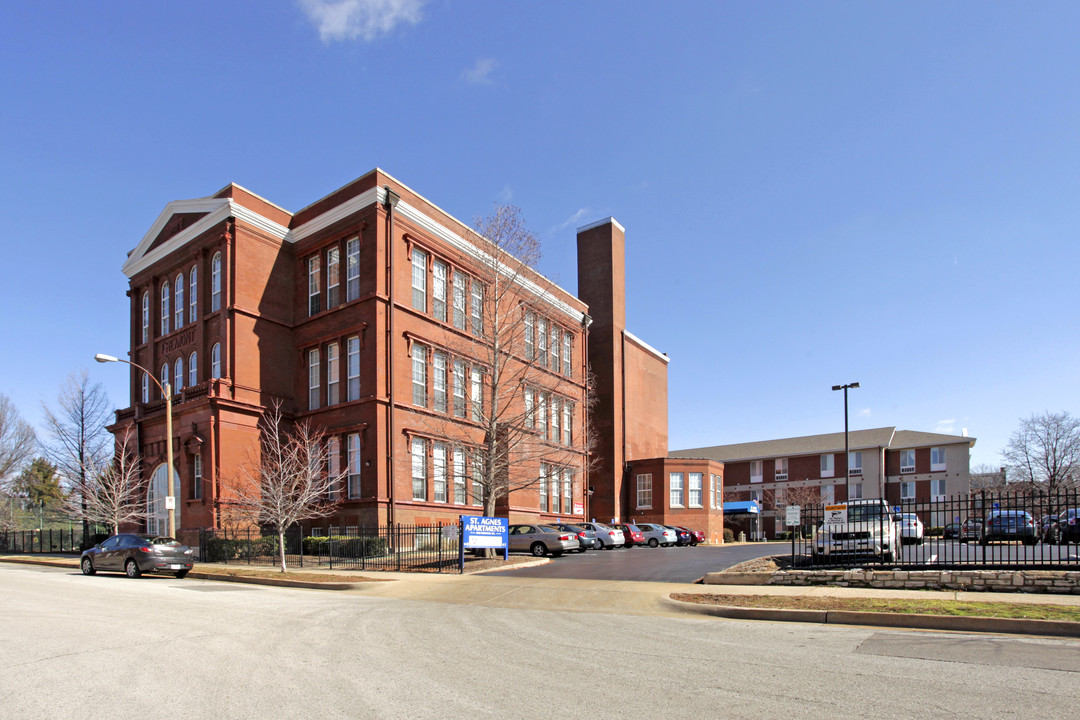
<point x="1031" y="581"/>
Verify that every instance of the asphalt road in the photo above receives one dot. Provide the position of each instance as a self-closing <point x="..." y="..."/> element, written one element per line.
<point x="107" y="646"/>
<point x="673" y="564"/>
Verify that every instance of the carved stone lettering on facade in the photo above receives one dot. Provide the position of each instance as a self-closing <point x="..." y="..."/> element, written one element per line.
<point x="178" y="340"/>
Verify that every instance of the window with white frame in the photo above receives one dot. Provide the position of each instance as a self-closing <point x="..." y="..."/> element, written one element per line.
<point x="438" y="290"/>
<point x="313" y="379"/>
<point x="314" y="279"/>
<point x="460" y="293"/>
<point x="459" y="476"/>
<point x="553" y="478"/>
<point x="215" y="283"/>
<point x="755" y="470"/>
<point x="354" y="464"/>
<point x="530" y="333"/>
<point x="712" y="491"/>
<point x="438" y="380"/>
<point x="352" y="363"/>
<point x="756" y="495"/>
<point x="541" y="414"/>
<point x="828" y="494"/>
<point x="215" y="361"/>
<point x="333" y="378"/>
<point x="438" y="467"/>
<point x="855" y="462"/>
<point x="459" y="388"/>
<point x="165" y="380"/>
<point x="567" y="420"/>
<point x="193" y="293"/>
<point x="556" y="345"/>
<point x="937" y="459"/>
<point x="644" y="491"/>
<point x="543" y="487"/>
<point x="567" y="490"/>
<point x="556" y="417"/>
<point x="718" y="492"/>
<point x="937" y="488"/>
<point x="178" y="301"/>
<point x="478" y="479"/>
<point x="827" y="467"/>
<point x="146" y="317"/>
<point x="419" y="469"/>
<point x="352" y="269"/>
<point x="419" y="375"/>
<point x="907" y="461"/>
<point x="907" y="490"/>
<point x="675" y="488"/>
<point x="145" y="388"/>
<point x="178" y="375"/>
<point x="530" y="409"/>
<point x="165" y="308"/>
<point x="419" y="279"/>
<point x="196" y="477"/>
<point x="476" y="306"/>
<point x="856" y="491"/>
<point x="541" y="341"/>
<point x="193" y="368"/>
<point x="781" y="469"/>
<point x="694" y="481"/>
<point x="567" y="340"/>
<point x="333" y="277"/>
<point x="476" y="392"/>
<point x="333" y="462"/>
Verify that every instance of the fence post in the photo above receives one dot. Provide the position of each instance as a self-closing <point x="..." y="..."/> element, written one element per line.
<point x="396" y="531"/>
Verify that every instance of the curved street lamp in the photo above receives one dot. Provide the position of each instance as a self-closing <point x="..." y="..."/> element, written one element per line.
<point x="166" y="391"/>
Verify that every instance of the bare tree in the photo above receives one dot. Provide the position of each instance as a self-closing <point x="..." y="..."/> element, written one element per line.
<point x="1044" y="454"/>
<point x="17" y="442"/>
<point x="288" y="481"/>
<point x="78" y="442"/>
<point x="987" y="477"/>
<point x="497" y="374"/>
<point x="113" y="493"/>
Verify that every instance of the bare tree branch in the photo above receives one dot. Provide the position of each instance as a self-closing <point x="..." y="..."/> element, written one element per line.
<point x="17" y="442"/>
<point x="114" y="493"/>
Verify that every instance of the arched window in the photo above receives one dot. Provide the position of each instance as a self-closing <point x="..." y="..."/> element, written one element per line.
<point x="179" y="303"/>
<point x="178" y="375"/>
<point x="146" y="317"/>
<point x="164" y="379"/>
<point x="157" y="517"/>
<point x="145" y="388"/>
<point x="193" y="369"/>
<point x="215" y="361"/>
<point x="165" y="308"/>
<point x="215" y="283"/>
<point x="193" y="293"/>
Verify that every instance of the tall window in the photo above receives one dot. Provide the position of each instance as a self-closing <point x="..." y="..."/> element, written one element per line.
<point x="353" y="362"/>
<point x="541" y="341"/>
<point x="193" y="293"/>
<point x="856" y="491"/>
<point x="530" y="331"/>
<point x="332" y="376"/>
<point x="419" y="375"/>
<point x="419" y="279"/>
<point x="530" y="412"/>
<point x="193" y="368"/>
<point x="438" y="381"/>
<point x="476" y="307"/>
<point x="827" y="467"/>
<point x="215" y="283"/>
<point x="438" y="289"/>
<point x="476" y="393"/>
<point x="333" y="458"/>
<point x="781" y="469"/>
<point x="459" y="300"/>
<point x="718" y="490"/>
<point x="178" y="375"/>
<point x="196" y="477"/>
<point x="556" y="345"/>
<point x="313" y="379"/>
<point x="907" y="490"/>
<point x="145" y="317"/>
<point x="165" y="308"/>
<point x="333" y="277"/>
<point x="164" y="380"/>
<point x="553" y="478"/>
<point x="695" y="482"/>
<point x="544" y="487"/>
<point x="419" y="469"/>
<point x="178" y="303"/>
<point x="556" y="416"/>
<point x="755" y="470"/>
<point x="675" y="486"/>
<point x="937" y="488"/>
<point x="855" y="462"/>
<point x="145" y="388"/>
<point x="215" y="361"/>
<point x="354" y="464"/>
<point x="567" y="419"/>
<point x="541" y="414"/>
<point x="907" y="461"/>
<point x="937" y="459"/>
<point x="459" y="388"/>
<point x="478" y="479"/>
<point x="566" y="340"/>
<point x="352" y="269"/>
<point x="459" y="476"/>
<point x="644" y="491"/>
<point x="314" y="285"/>
<point x="438" y="466"/>
<point x="567" y="490"/>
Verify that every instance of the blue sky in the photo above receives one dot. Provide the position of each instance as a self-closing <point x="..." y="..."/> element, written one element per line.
<point x="813" y="193"/>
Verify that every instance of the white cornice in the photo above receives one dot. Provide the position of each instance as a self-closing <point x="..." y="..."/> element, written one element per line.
<point x="331" y="216"/>
<point x="646" y="346"/>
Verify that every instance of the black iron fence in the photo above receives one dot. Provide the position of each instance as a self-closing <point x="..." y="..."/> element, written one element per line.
<point x="984" y="529"/>
<point x="408" y="548"/>
<point x="49" y="540"/>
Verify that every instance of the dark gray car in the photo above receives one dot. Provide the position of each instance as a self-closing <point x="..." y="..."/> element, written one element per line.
<point x="135" y="554"/>
<point x="586" y="537"/>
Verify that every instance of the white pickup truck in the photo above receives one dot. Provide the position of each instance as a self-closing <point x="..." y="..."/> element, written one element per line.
<point x="860" y="527"/>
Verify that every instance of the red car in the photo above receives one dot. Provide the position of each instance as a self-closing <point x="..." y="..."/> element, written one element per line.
<point x="632" y="535"/>
<point x="696" y="536"/>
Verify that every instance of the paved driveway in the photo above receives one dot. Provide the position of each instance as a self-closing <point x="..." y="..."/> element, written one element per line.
<point x="674" y="564"/>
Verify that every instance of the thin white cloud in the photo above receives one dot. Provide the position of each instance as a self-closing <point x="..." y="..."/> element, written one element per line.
<point x="947" y="427"/>
<point x="365" y="19"/>
<point x="480" y="73"/>
<point x="865" y="412"/>
<point x="573" y="220"/>
<point x="505" y="195"/>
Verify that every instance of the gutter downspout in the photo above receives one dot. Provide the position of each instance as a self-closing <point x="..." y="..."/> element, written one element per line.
<point x="389" y="204"/>
<point x="586" y="428"/>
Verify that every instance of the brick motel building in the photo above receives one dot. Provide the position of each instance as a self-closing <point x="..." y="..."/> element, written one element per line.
<point x="360" y="315"/>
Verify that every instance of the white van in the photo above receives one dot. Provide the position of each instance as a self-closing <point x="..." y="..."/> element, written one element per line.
<point x="860" y="527"/>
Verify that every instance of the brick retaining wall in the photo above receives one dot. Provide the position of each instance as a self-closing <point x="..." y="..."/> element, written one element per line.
<point x="1031" y="581"/>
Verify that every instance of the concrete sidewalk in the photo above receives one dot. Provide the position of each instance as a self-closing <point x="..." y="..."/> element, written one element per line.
<point x="642" y="598"/>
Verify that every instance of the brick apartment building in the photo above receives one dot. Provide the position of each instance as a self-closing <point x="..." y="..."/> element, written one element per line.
<point x="898" y="465"/>
<point x="360" y="314"/>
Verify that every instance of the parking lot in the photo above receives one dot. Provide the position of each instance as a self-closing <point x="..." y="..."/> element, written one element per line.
<point x="673" y="564"/>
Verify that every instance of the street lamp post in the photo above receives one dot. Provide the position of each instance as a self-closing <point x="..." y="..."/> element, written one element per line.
<point x="847" y="452"/>
<point x="166" y="390"/>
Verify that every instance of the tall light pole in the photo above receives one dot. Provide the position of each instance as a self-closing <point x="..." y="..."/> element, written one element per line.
<point x="847" y="452"/>
<point x="166" y="390"/>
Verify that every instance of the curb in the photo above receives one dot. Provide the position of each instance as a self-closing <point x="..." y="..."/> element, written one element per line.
<point x="276" y="582"/>
<point x="1010" y="626"/>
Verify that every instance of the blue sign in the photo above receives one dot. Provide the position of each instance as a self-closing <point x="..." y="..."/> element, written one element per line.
<point x="484" y="532"/>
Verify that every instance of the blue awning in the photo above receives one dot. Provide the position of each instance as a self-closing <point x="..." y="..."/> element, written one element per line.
<point x="741" y="508"/>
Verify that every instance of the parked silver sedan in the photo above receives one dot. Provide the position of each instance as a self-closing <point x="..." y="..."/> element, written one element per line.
<point x="607" y="537"/>
<point x="658" y="534"/>
<point x="135" y="554"/>
<point x="541" y="540"/>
